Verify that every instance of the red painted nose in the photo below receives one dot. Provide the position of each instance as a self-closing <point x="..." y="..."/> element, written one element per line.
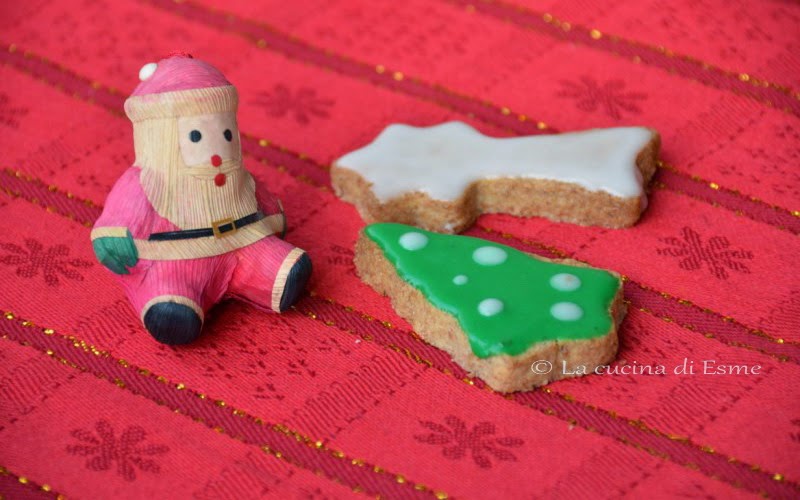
<point x="216" y="160"/>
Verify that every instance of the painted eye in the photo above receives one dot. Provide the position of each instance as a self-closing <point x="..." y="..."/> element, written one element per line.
<point x="228" y="135"/>
<point x="195" y="136"/>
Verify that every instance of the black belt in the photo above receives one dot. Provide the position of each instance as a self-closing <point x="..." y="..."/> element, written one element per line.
<point x="218" y="229"/>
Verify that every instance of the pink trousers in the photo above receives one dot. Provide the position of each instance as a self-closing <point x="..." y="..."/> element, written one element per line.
<point x="256" y="273"/>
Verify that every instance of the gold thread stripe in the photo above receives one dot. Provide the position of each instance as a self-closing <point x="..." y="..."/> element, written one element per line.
<point x="318" y="444"/>
<point x="380" y="70"/>
<point x="86" y="219"/>
<point x="684" y="302"/>
<point x="616" y="415"/>
<point x="556" y="251"/>
<point x="417" y="358"/>
<point x="389" y="326"/>
<point x="262" y="142"/>
<point x="25" y="481"/>
<point x="594" y="35"/>
<point x="717" y="186"/>
<point x="12" y="48"/>
<point x="549" y="248"/>
<point x="315" y="444"/>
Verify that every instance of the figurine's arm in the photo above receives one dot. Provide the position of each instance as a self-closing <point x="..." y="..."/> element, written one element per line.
<point x="269" y="204"/>
<point x="125" y="211"/>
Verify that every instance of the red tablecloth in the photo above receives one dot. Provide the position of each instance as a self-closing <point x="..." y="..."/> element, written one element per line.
<point x="339" y="395"/>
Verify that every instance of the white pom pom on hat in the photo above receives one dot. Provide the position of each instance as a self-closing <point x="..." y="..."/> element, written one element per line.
<point x="147" y="71"/>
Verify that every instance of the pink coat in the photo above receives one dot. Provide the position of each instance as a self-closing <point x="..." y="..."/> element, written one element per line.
<point x="248" y="270"/>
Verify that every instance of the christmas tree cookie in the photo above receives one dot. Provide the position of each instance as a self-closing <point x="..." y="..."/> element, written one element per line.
<point x="442" y="177"/>
<point x="515" y="320"/>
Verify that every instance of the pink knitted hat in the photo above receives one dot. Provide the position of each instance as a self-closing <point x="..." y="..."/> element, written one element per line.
<point x="180" y="85"/>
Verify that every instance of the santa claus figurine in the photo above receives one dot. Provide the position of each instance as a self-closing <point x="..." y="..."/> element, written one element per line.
<point x="187" y="225"/>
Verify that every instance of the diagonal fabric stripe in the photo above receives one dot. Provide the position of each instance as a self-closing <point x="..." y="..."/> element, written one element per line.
<point x="253" y="431"/>
<point x="774" y="95"/>
<point x="409" y="344"/>
<point x="36" y="191"/>
<point x="308" y="170"/>
<point x="248" y="429"/>
<point x="299" y="166"/>
<point x="607" y="423"/>
<point x="14" y="486"/>
<point x="734" y="201"/>
<point x="689" y="316"/>
<point x="279" y="150"/>
<point x="272" y="39"/>
<point x="641" y="297"/>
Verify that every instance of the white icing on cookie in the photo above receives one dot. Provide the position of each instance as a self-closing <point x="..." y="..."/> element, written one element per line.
<point x="566" y="311"/>
<point x="490" y="307"/>
<point x="489" y="256"/>
<point x="565" y="282"/>
<point x="443" y="160"/>
<point x="460" y="280"/>
<point x="413" y="241"/>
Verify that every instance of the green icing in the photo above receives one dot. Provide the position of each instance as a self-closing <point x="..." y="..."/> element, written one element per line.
<point x="521" y="283"/>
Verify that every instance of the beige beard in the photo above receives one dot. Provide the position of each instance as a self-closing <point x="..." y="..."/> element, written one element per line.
<point x="190" y="199"/>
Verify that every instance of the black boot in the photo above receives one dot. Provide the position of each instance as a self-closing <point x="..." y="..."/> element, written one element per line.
<point x="295" y="282"/>
<point x="172" y="323"/>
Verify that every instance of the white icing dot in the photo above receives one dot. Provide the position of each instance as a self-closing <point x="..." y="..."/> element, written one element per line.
<point x="566" y="311"/>
<point x="489" y="256"/>
<point x="460" y="279"/>
<point x="147" y="71"/>
<point x="565" y="282"/>
<point x="490" y="307"/>
<point x="413" y="241"/>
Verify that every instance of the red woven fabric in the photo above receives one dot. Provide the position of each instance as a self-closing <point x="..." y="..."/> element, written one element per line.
<point x="339" y="396"/>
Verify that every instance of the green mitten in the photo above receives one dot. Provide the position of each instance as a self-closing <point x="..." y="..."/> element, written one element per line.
<point x="117" y="253"/>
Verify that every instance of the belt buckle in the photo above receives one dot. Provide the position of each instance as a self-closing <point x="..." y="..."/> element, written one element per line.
<point x="217" y="223"/>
